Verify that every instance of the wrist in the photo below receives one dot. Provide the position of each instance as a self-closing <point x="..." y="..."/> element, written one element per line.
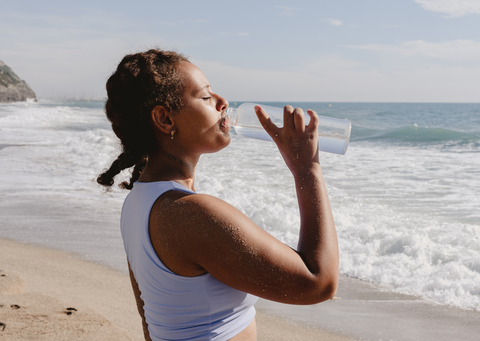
<point x="312" y="170"/>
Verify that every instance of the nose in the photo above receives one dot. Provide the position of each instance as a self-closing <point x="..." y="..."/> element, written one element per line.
<point x="222" y="103"/>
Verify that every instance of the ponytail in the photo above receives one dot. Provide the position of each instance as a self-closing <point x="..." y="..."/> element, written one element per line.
<point x="141" y="82"/>
<point x="123" y="161"/>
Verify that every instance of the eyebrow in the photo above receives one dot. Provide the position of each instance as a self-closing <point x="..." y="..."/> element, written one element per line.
<point x="203" y="87"/>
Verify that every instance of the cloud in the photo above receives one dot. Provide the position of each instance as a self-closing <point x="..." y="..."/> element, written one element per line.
<point x="288" y="11"/>
<point x="453" y="8"/>
<point x="456" y="50"/>
<point x="333" y="22"/>
<point x="236" y="83"/>
<point x="337" y="79"/>
<point x="70" y="56"/>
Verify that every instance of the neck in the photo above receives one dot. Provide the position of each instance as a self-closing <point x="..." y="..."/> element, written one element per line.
<point x="170" y="166"/>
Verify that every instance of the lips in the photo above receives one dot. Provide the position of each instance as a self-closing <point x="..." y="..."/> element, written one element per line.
<point x="225" y="122"/>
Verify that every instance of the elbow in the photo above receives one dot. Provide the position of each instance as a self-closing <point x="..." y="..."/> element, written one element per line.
<point x="323" y="289"/>
<point x="326" y="291"/>
<point x="328" y="282"/>
<point x="330" y="290"/>
<point x="310" y="291"/>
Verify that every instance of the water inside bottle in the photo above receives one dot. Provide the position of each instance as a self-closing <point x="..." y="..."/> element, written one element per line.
<point x="253" y="132"/>
<point x="333" y="144"/>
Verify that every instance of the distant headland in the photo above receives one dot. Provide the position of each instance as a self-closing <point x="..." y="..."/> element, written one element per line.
<point x="12" y="88"/>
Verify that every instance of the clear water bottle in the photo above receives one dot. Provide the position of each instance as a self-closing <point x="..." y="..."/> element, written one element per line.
<point x="333" y="133"/>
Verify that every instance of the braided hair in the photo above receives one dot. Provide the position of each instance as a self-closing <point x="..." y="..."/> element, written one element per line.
<point x="141" y="82"/>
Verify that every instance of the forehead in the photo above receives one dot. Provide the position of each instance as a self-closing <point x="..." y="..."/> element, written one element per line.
<point x="193" y="77"/>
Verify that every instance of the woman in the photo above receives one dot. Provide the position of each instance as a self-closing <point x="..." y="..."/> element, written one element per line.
<point x="197" y="264"/>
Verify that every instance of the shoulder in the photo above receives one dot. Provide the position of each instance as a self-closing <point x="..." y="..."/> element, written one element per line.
<point x="200" y="228"/>
<point x="177" y="204"/>
<point x="201" y="220"/>
<point x="186" y="227"/>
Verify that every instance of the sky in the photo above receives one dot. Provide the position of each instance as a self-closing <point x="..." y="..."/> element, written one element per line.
<point x="316" y="50"/>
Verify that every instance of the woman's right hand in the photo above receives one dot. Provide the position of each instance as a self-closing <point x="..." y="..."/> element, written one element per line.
<point x="297" y="143"/>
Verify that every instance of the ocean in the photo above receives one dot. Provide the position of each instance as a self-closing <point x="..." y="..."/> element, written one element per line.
<point x="405" y="197"/>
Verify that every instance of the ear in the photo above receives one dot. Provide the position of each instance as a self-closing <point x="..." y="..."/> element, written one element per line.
<point x="162" y="119"/>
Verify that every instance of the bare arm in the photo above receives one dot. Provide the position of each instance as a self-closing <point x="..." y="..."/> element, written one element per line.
<point x="317" y="243"/>
<point x="137" y="293"/>
<point x="198" y="233"/>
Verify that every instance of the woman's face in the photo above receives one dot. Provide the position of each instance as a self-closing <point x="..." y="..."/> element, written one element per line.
<point x="201" y="123"/>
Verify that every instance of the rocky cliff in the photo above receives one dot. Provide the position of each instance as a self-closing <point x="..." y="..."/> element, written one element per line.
<point x="12" y="88"/>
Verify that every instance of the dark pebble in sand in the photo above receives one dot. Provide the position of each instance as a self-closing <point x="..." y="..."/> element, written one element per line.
<point x="2" y="326"/>
<point x="15" y="306"/>
<point x="70" y="311"/>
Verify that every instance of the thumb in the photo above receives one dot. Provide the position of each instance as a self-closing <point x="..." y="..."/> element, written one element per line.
<point x="267" y="124"/>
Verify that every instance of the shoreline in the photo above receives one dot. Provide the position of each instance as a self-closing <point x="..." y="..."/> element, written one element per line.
<point x="60" y="296"/>
<point x="367" y="311"/>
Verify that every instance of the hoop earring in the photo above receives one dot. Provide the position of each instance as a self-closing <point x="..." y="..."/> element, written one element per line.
<point x="172" y="133"/>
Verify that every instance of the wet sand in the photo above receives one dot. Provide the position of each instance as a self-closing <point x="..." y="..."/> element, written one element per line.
<point x="367" y="311"/>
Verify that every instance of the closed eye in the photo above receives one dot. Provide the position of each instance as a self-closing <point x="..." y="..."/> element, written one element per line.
<point x="206" y="98"/>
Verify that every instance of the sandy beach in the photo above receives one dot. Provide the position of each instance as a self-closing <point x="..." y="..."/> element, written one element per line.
<point x="52" y="295"/>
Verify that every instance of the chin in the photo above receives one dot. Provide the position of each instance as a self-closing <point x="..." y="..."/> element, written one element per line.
<point x="222" y="142"/>
<point x="226" y="140"/>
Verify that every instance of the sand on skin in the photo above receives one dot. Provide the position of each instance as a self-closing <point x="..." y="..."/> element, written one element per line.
<point x="51" y="295"/>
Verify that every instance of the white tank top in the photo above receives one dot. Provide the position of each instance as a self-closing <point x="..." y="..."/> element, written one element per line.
<point x="177" y="307"/>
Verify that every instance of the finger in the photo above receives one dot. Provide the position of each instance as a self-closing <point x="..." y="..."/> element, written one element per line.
<point x="267" y="124"/>
<point x="299" y="120"/>
<point x="314" y="121"/>
<point x="288" y="118"/>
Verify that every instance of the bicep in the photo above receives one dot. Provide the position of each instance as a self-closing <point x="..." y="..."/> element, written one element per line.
<point x="233" y="249"/>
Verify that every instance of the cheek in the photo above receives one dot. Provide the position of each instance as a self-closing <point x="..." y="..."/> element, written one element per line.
<point x="206" y="126"/>
<point x="200" y="128"/>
